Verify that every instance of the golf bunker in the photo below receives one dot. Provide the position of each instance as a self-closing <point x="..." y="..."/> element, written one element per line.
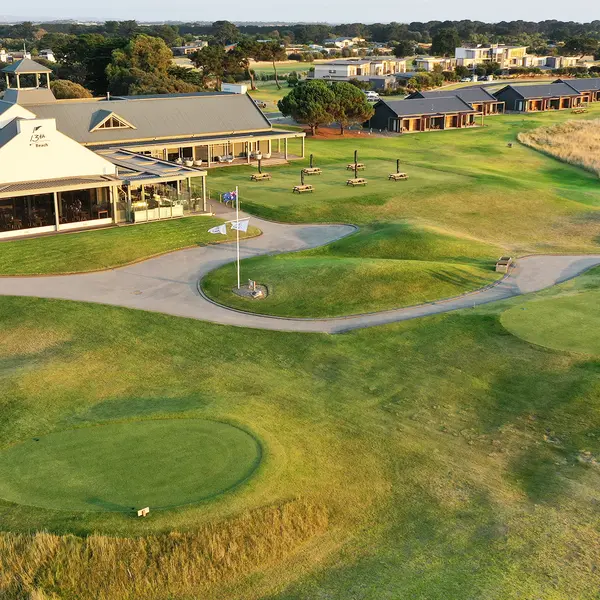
<point x="125" y="466"/>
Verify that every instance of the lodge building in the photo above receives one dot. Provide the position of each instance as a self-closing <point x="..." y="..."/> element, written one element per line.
<point x="540" y="97"/>
<point x="75" y="164"/>
<point x="422" y="114"/>
<point x="476" y="97"/>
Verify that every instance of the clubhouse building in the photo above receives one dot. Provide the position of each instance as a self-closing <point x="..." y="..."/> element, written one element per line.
<point x="75" y="164"/>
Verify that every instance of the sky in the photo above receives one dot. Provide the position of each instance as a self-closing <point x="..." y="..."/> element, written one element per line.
<point x="331" y="11"/>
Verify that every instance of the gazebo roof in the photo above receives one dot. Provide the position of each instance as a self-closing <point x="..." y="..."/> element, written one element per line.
<point x="26" y="66"/>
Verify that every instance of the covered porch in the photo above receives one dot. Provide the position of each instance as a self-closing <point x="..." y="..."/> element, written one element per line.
<point x="56" y="205"/>
<point x="232" y="150"/>
<point x="438" y="122"/>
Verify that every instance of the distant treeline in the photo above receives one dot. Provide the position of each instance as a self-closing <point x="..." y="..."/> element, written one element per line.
<point x="526" y="32"/>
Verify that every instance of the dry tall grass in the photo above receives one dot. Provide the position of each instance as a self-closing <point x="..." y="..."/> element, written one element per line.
<point x="573" y="142"/>
<point x="43" y="566"/>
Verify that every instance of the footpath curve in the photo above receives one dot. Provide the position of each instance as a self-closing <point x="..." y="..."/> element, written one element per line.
<point x="169" y="283"/>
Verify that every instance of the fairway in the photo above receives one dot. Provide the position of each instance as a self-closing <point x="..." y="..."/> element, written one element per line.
<point x="126" y="466"/>
<point x="569" y="322"/>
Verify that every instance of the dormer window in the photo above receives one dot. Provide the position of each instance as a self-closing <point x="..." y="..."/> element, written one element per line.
<point x="111" y="121"/>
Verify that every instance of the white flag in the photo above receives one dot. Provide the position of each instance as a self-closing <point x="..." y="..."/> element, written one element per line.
<point x="219" y="229"/>
<point x="241" y="225"/>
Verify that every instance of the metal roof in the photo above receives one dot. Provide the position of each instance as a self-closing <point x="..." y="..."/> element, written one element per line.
<point x="591" y="84"/>
<point x="50" y="185"/>
<point x="137" y="167"/>
<point x="28" y="96"/>
<point x="428" y="106"/>
<point x="548" y="90"/>
<point x="467" y="94"/>
<point x="8" y="132"/>
<point x="26" y="65"/>
<point x="156" y="117"/>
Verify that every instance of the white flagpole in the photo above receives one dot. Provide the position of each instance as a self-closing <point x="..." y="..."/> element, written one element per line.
<point x="237" y="217"/>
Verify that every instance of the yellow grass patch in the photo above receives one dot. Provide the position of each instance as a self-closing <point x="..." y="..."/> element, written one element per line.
<point x="30" y="340"/>
<point x="573" y="142"/>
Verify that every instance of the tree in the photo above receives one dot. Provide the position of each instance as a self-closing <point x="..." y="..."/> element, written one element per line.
<point x="581" y="45"/>
<point x="310" y="102"/>
<point x="272" y="51"/>
<point x="349" y="105"/>
<point x="404" y="48"/>
<point x="246" y="50"/>
<point x="445" y="42"/>
<point x="63" y="88"/>
<point x="211" y="61"/>
<point x="224" y="32"/>
<point x="293" y="79"/>
<point x="142" y="67"/>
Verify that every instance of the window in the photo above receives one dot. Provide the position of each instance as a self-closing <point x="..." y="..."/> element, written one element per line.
<point x="113" y="123"/>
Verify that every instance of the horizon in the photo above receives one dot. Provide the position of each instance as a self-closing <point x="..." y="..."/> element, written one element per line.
<point x="187" y="11"/>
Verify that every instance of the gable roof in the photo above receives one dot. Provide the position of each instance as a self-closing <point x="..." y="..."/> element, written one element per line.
<point x="156" y="118"/>
<point x="548" y="90"/>
<point x="427" y="106"/>
<point x="467" y="94"/>
<point x="26" y="65"/>
<point x="591" y="84"/>
<point x="103" y="115"/>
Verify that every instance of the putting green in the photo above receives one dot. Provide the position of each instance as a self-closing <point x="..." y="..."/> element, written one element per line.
<point x="569" y="323"/>
<point x="125" y="466"/>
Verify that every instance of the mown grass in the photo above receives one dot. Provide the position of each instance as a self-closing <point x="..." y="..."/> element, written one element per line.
<point x="468" y="183"/>
<point x="445" y="452"/>
<point x="381" y="267"/>
<point x="106" y="248"/>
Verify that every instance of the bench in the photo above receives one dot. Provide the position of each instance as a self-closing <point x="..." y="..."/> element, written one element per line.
<point x="397" y="176"/>
<point x="300" y="189"/>
<point x="358" y="181"/>
<point x="260" y="177"/>
<point x="312" y="171"/>
<point x="357" y="166"/>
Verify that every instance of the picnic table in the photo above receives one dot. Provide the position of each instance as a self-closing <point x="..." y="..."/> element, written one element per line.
<point x="312" y="171"/>
<point x="260" y="177"/>
<point x="300" y="189"/>
<point x="357" y="181"/>
<point x="357" y="166"/>
<point x="397" y="176"/>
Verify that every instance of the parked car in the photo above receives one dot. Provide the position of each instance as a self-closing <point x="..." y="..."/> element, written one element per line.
<point x="465" y="80"/>
<point x="372" y="96"/>
<point x="260" y="104"/>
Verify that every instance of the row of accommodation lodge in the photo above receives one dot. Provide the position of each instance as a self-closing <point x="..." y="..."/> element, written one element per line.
<point x="74" y="164"/>
<point x="435" y="110"/>
<point x="560" y="95"/>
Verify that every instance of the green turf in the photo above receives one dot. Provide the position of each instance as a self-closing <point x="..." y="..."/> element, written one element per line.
<point x="126" y="466"/>
<point x="382" y="266"/>
<point x="105" y="248"/>
<point x="570" y="322"/>
<point x="467" y="183"/>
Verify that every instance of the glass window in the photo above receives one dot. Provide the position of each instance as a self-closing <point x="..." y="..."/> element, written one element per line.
<point x="84" y="205"/>
<point x="27" y="212"/>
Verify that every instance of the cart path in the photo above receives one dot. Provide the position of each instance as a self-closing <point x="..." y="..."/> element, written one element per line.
<point x="169" y="283"/>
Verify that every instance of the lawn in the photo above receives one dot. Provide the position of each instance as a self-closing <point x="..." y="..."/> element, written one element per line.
<point x="438" y="458"/>
<point x="126" y="466"/>
<point x="268" y="92"/>
<point x="382" y="266"/>
<point x="106" y="248"/>
<point x="469" y="183"/>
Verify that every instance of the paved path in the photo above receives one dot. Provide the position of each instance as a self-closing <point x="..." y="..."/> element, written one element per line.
<point x="169" y="283"/>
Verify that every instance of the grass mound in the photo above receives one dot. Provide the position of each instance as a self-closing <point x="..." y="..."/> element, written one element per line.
<point x="569" y="322"/>
<point x="125" y="466"/>
<point x="381" y="267"/>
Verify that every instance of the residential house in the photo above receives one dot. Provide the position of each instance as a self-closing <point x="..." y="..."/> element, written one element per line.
<point x="476" y="54"/>
<point x="540" y="97"/>
<point x="189" y="48"/>
<point x="589" y="88"/>
<point x="429" y="63"/>
<point x="422" y="114"/>
<point x="48" y="55"/>
<point x="380" y="72"/>
<point x="344" y="42"/>
<point x="73" y="164"/>
<point x="477" y="97"/>
<point x="561" y="62"/>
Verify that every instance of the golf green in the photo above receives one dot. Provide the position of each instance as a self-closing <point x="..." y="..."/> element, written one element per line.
<point x="569" y="322"/>
<point x="125" y="466"/>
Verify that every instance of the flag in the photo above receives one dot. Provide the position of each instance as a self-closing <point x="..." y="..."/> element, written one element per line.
<point x="219" y="229"/>
<point x="241" y="225"/>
